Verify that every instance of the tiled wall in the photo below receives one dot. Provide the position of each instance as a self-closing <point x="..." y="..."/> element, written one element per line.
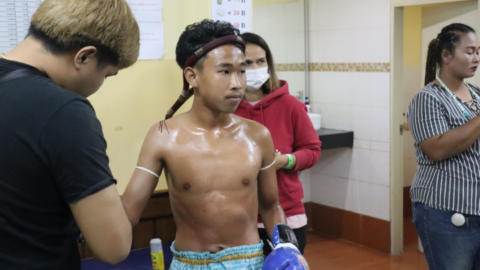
<point x="352" y="31"/>
<point x="282" y="26"/>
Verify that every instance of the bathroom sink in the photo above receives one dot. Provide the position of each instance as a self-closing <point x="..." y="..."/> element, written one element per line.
<point x="316" y="120"/>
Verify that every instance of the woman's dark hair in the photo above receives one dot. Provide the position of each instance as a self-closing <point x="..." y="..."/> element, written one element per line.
<point x="273" y="83"/>
<point x="448" y="39"/>
<point x="197" y="35"/>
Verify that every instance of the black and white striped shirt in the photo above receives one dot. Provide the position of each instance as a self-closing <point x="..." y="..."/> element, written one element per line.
<point x="452" y="184"/>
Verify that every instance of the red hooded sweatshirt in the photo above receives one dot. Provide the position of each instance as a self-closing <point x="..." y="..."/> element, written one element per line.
<point x="292" y="132"/>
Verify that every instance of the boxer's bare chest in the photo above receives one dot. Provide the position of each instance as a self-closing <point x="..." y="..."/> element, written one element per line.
<point x="206" y="162"/>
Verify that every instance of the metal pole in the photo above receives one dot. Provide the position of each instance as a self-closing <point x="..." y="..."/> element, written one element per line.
<point x="307" y="52"/>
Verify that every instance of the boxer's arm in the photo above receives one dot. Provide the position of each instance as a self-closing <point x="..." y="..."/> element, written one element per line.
<point x="268" y="200"/>
<point x="142" y="184"/>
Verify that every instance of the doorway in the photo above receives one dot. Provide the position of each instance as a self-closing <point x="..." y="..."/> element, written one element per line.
<point x="409" y="44"/>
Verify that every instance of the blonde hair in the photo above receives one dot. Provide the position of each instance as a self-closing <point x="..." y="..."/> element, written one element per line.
<point x="66" y="25"/>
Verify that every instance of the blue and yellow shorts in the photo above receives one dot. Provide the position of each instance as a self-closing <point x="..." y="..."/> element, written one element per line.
<point x="242" y="257"/>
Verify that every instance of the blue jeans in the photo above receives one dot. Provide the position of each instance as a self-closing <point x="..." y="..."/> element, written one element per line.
<point x="446" y="246"/>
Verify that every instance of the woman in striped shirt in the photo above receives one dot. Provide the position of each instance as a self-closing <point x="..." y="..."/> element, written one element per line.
<point x="444" y="121"/>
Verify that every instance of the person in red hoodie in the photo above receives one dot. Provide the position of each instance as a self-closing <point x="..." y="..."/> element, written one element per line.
<point x="267" y="101"/>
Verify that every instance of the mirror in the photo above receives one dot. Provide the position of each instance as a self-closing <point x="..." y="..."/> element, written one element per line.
<point x="282" y="24"/>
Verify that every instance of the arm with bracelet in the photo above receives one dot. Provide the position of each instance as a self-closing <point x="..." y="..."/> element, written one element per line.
<point x="286" y="254"/>
<point x="292" y="161"/>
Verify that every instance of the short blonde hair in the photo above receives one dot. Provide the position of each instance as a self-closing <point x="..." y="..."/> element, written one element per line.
<point x="68" y="25"/>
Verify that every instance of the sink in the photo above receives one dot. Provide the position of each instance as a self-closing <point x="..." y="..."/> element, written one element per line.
<point x="316" y="120"/>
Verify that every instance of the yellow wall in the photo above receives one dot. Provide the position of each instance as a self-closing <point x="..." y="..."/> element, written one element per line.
<point x="131" y="102"/>
<point x="258" y="3"/>
<point x="412" y="30"/>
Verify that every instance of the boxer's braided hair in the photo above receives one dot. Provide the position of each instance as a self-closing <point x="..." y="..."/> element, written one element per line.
<point x="447" y="39"/>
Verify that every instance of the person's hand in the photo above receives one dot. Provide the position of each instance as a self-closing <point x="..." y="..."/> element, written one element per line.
<point x="281" y="161"/>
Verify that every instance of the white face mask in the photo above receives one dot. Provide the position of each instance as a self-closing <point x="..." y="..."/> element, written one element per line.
<point x="256" y="78"/>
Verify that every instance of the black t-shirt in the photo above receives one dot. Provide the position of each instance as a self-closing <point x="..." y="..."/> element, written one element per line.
<point x="52" y="154"/>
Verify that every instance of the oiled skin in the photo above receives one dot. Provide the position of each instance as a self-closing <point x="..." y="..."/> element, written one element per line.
<point x="212" y="162"/>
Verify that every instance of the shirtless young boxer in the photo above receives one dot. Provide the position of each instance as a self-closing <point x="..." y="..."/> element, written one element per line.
<point x="218" y="166"/>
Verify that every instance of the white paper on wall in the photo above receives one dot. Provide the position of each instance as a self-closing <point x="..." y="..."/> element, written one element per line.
<point x="15" y="20"/>
<point x="236" y="12"/>
<point x="148" y="14"/>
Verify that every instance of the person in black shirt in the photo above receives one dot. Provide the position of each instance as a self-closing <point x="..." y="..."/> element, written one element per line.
<point x="54" y="173"/>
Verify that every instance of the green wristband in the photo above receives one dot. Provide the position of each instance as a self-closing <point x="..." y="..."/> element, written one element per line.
<point x="290" y="162"/>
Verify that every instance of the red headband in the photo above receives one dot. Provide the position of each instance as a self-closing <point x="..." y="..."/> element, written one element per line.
<point x="187" y="93"/>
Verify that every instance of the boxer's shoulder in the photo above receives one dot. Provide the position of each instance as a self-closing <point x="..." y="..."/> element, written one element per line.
<point x="255" y="130"/>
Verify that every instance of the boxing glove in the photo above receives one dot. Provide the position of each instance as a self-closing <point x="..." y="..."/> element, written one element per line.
<point x="286" y="255"/>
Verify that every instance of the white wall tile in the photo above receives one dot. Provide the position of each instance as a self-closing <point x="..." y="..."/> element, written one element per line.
<point x="328" y="40"/>
<point x="325" y="16"/>
<point x="363" y="144"/>
<point x="374" y="201"/>
<point x="321" y="87"/>
<point x="295" y="17"/>
<point x="335" y="162"/>
<point x="380" y="13"/>
<point x="380" y="124"/>
<point x="342" y="117"/>
<point x="352" y="31"/>
<point x="312" y="15"/>
<point x="380" y="90"/>
<point x="380" y="168"/>
<point x="277" y="19"/>
<point x="295" y="48"/>
<point x="327" y="111"/>
<point x="360" y="47"/>
<point x="304" y="177"/>
<point x="340" y="46"/>
<point x="380" y="45"/>
<point x="380" y="146"/>
<point x="363" y="205"/>
<point x="335" y="116"/>
<point x="316" y="109"/>
<point x="353" y="196"/>
<point x="321" y="185"/>
<point x="361" y="122"/>
<point x="339" y="189"/>
<point x="260" y="20"/>
<point x="361" y="88"/>
<point x="330" y="190"/>
<point x="298" y="81"/>
<point x="361" y="11"/>
<point x="360" y="166"/>
<point x="341" y="87"/>
<point x="317" y="47"/>
<point x="342" y="18"/>
<point x="279" y="49"/>
<point x="380" y="202"/>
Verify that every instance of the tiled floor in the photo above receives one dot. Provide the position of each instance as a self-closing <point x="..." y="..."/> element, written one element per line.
<point x="332" y="254"/>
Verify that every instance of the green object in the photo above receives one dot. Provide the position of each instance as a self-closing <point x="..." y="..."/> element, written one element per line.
<point x="219" y="2"/>
<point x="290" y="162"/>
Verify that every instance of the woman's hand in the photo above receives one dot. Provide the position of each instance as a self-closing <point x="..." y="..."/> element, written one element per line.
<point x="281" y="161"/>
